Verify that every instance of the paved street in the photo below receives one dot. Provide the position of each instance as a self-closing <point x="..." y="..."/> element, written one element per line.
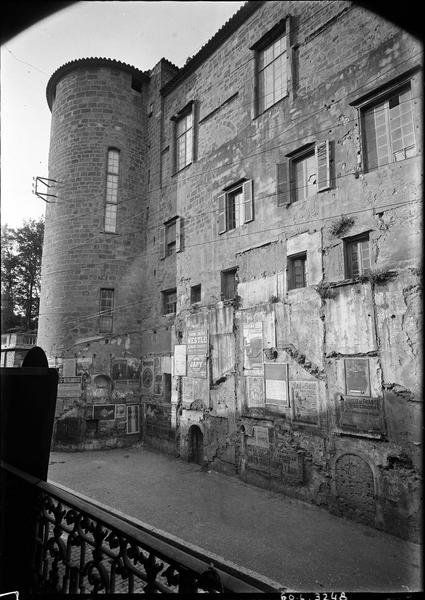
<point x="299" y="545"/>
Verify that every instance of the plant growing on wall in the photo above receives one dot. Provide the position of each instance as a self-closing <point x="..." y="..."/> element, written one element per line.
<point x="340" y="226"/>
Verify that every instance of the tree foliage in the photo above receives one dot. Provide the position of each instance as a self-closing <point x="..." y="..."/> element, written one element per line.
<point x="21" y="250"/>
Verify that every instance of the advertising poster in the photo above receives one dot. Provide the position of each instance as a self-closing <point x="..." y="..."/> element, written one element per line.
<point x="361" y="414"/>
<point x="180" y="360"/>
<point x="147" y="374"/>
<point x="120" y="411"/>
<point x="104" y="412"/>
<point x="197" y="350"/>
<point x="253" y="346"/>
<point x="255" y="391"/>
<point x="69" y="387"/>
<point x="305" y="401"/>
<point x="157" y="371"/>
<point x="276" y="383"/>
<point x="357" y="378"/>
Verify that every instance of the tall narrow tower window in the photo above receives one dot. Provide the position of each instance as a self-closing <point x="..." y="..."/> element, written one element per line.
<point x="106" y="310"/>
<point x="112" y="174"/>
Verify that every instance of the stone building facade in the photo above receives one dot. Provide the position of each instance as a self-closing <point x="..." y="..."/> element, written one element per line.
<point x="231" y="269"/>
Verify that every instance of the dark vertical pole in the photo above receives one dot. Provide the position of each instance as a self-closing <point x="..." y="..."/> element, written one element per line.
<point x="28" y="401"/>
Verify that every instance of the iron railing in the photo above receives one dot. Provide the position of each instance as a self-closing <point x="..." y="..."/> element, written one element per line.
<point x="82" y="547"/>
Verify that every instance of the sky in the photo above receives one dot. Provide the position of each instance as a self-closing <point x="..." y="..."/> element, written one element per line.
<point x="138" y="33"/>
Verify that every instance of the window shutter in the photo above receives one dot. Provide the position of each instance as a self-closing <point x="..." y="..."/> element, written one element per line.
<point x="323" y="166"/>
<point x="179" y="234"/>
<point x="282" y="184"/>
<point x="248" y="201"/>
<point x="162" y="242"/>
<point x="222" y="213"/>
<point x="369" y="139"/>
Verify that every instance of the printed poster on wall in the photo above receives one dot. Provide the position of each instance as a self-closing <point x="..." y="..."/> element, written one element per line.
<point x="180" y="360"/>
<point x="276" y="383"/>
<point x="253" y="345"/>
<point x="147" y="374"/>
<point x="157" y="372"/>
<point x="255" y="391"/>
<point x="197" y="350"/>
<point x="104" y="412"/>
<point x="305" y="401"/>
<point x="357" y="377"/>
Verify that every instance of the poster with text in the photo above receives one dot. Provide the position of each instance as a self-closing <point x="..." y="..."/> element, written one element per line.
<point x="180" y="360"/>
<point x="197" y="350"/>
<point x="305" y="401"/>
<point x="357" y="378"/>
<point x="253" y="346"/>
<point x="276" y="383"/>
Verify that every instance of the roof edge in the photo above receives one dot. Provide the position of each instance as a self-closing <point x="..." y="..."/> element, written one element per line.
<point x="83" y="62"/>
<point x="244" y="12"/>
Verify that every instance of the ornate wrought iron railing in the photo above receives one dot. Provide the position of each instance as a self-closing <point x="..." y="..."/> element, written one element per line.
<point x="84" y="548"/>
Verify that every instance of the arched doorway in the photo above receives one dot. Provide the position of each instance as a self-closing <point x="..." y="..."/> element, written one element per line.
<point x="355" y="488"/>
<point x="196" y="445"/>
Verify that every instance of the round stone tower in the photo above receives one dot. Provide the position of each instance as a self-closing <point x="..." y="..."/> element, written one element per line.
<point x="91" y="279"/>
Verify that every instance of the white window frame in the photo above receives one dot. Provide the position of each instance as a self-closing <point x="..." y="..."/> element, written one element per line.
<point x="136" y="419"/>
<point x="243" y="209"/>
<point x="379" y="107"/>
<point x="364" y="268"/>
<point x="111" y="192"/>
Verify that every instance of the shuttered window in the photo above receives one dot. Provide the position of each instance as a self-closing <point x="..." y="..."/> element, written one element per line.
<point x="170" y="237"/>
<point x="388" y="129"/>
<point x="357" y="256"/>
<point x="111" y="201"/>
<point x="235" y="207"/>
<point x="296" y="271"/>
<point x="106" y="309"/>
<point x="169" y="301"/>
<point x="228" y="284"/>
<point x="304" y="173"/>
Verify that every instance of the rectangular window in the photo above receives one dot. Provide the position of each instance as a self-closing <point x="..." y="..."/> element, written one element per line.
<point x="297" y="271"/>
<point x="235" y="207"/>
<point x="272" y="78"/>
<point x="357" y="256"/>
<point x="184" y="141"/>
<point x="388" y="131"/>
<point x="303" y="173"/>
<point x="195" y="294"/>
<point x="106" y="310"/>
<point x="111" y="201"/>
<point x="170" y="237"/>
<point x="228" y="284"/>
<point x="169" y="301"/>
<point x="133" y="422"/>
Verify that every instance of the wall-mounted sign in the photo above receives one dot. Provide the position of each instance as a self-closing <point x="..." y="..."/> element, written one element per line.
<point x="84" y="364"/>
<point x="180" y="360"/>
<point x="361" y="414"/>
<point x="157" y="371"/>
<point x="120" y="411"/>
<point x="69" y="387"/>
<point x="104" y="412"/>
<point x="254" y="391"/>
<point x="287" y="464"/>
<point x="147" y="374"/>
<point x="197" y="350"/>
<point x="305" y="400"/>
<point x="260" y="437"/>
<point x="357" y="377"/>
<point x="276" y="383"/>
<point x="253" y="345"/>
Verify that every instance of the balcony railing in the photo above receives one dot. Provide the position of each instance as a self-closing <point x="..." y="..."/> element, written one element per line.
<point x="84" y="548"/>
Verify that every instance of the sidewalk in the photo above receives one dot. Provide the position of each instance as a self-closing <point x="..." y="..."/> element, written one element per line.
<point x="300" y="545"/>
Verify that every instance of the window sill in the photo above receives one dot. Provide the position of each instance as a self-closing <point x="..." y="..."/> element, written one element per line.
<point x="272" y="106"/>
<point x="182" y="169"/>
